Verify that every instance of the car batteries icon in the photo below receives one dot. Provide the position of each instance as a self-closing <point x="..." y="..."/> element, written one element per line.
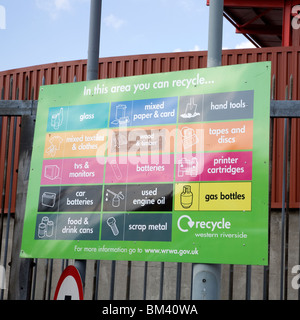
<point x="48" y="199"/>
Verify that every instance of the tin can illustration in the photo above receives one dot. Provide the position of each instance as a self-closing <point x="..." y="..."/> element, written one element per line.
<point x="49" y="228"/>
<point x="45" y="228"/>
<point x="42" y="230"/>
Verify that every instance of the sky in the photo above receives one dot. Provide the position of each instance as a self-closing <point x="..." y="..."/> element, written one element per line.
<point x="34" y="32"/>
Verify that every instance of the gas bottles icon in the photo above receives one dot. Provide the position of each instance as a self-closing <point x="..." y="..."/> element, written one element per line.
<point x="186" y="197"/>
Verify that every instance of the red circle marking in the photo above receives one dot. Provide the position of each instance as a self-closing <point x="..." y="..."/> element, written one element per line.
<point x="73" y="272"/>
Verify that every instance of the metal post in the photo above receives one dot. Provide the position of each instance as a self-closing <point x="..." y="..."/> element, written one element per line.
<point x="215" y="33"/>
<point x="94" y="40"/>
<point x="207" y="277"/>
<point x="92" y="74"/>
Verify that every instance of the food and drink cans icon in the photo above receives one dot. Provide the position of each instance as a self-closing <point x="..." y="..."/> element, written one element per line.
<point x="46" y="228"/>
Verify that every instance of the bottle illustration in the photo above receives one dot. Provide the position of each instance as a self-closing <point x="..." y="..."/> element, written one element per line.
<point x="57" y="119"/>
<point x="186" y="197"/>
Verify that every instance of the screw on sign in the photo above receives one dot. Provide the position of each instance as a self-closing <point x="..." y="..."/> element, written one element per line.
<point x="69" y="286"/>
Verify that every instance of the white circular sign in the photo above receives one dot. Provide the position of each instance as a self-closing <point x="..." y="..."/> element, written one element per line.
<point x="69" y="286"/>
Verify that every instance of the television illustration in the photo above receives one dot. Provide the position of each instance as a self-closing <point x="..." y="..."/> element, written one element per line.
<point x="51" y="171"/>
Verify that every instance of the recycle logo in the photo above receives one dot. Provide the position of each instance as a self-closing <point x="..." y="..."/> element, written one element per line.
<point x="190" y="223"/>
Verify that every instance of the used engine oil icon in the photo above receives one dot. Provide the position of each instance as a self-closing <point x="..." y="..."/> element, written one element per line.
<point x="186" y="197"/>
<point x="117" y="197"/>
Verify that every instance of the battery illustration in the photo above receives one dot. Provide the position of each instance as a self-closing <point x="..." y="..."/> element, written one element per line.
<point x="48" y="199"/>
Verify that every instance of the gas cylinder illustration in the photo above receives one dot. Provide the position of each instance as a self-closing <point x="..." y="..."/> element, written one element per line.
<point x="186" y="197"/>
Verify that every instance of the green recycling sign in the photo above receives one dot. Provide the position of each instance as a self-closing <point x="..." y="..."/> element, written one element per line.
<point x="161" y="167"/>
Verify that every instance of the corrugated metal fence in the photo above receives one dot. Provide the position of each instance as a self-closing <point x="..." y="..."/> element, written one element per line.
<point x="24" y="84"/>
<point x="150" y="280"/>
